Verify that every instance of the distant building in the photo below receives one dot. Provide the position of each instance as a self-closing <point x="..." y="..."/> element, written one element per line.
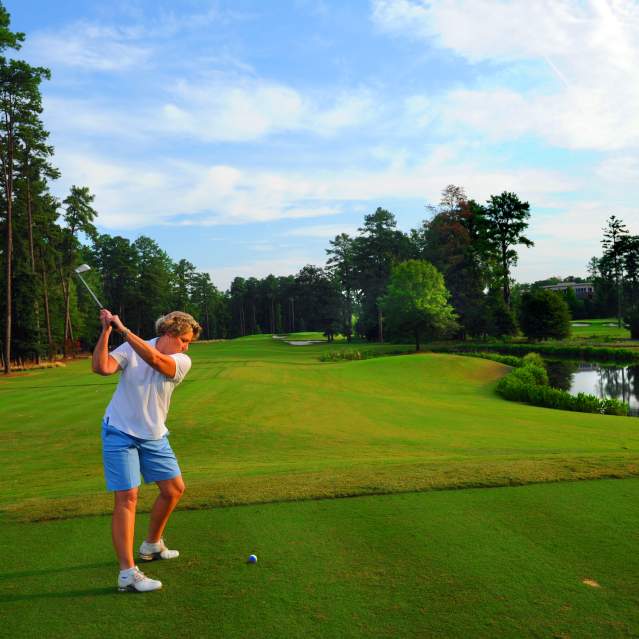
<point x="583" y="290"/>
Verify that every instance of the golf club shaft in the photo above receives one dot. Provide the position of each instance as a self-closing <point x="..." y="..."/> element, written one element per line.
<point x="97" y="301"/>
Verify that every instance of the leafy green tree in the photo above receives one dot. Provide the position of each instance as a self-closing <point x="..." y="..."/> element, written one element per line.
<point x="237" y="293"/>
<point x="78" y="216"/>
<point x="499" y="318"/>
<point x="416" y="301"/>
<point x="544" y="315"/>
<point x="20" y="106"/>
<point x="205" y="300"/>
<point x="575" y="305"/>
<point x="613" y="243"/>
<point x="450" y="241"/>
<point x="117" y="261"/>
<point x="341" y="262"/>
<point x="184" y="274"/>
<point x="376" y="250"/>
<point x="630" y="265"/>
<point x="502" y="222"/>
<point x="152" y="284"/>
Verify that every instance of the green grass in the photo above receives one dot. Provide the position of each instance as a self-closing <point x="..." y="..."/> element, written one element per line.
<point x="258" y="420"/>
<point x="498" y="563"/>
<point x="599" y="329"/>
<point x="268" y="426"/>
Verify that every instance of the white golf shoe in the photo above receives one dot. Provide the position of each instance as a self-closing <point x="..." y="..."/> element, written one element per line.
<point x="150" y="552"/>
<point x="136" y="581"/>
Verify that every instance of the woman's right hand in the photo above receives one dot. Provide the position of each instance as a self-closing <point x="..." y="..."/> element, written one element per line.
<point x="105" y="318"/>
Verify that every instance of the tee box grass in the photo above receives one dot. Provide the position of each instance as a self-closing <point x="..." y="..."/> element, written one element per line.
<point x="257" y="421"/>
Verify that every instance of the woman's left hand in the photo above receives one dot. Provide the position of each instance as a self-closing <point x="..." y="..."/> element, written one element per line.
<point x="116" y="322"/>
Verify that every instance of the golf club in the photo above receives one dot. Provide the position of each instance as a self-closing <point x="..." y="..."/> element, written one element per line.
<point x="83" y="268"/>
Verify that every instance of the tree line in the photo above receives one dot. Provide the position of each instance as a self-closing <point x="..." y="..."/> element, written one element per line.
<point x="472" y="245"/>
<point x="378" y="284"/>
<point x="45" y="312"/>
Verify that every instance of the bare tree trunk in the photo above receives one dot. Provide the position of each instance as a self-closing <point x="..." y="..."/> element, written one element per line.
<point x="506" y="281"/>
<point x="380" y="321"/>
<point x="67" y="321"/>
<point x="349" y="321"/>
<point x="8" y="183"/>
<point x="46" y="308"/>
<point x="36" y="303"/>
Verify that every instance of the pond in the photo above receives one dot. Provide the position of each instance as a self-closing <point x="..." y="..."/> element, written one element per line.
<point x="602" y="380"/>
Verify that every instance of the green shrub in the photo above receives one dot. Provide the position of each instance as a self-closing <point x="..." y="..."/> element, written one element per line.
<point x="591" y="353"/>
<point x="508" y="360"/>
<point x="529" y="384"/>
<point x="336" y="356"/>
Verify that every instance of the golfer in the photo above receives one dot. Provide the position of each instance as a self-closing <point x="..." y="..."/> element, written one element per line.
<point x="134" y="435"/>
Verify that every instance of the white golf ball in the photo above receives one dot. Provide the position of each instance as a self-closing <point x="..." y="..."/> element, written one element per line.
<point x="252" y="559"/>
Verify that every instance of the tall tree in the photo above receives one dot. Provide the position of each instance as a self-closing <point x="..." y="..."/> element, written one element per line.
<point x="503" y="221"/>
<point x="78" y="217"/>
<point x="20" y="105"/>
<point x="154" y="280"/>
<point x="613" y="242"/>
<point x="376" y="250"/>
<point x="341" y="262"/>
<point x="450" y="241"/>
<point x="183" y="283"/>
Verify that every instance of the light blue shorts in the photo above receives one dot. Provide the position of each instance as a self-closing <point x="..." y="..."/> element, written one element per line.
<point x="126" y="456"/>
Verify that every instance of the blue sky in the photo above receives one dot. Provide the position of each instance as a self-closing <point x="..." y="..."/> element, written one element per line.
<point x="244" y="135"/>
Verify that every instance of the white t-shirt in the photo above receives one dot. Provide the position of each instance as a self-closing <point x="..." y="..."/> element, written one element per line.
<point x="141" y="400"/>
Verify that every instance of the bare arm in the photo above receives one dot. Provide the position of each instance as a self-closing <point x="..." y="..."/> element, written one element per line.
<point x="162" y="363"/>
<point x="102" y="363"/>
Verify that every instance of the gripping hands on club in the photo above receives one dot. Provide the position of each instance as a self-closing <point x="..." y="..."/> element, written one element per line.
<point x="107" y="319"/>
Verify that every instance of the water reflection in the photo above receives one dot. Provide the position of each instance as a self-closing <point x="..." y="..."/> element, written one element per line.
<point x="618" y="382"/>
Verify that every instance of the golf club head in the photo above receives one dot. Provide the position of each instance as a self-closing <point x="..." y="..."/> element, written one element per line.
<point x="83" y="268"/>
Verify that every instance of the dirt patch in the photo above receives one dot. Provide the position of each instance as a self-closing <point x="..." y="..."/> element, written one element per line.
<point x="590" y="582"/>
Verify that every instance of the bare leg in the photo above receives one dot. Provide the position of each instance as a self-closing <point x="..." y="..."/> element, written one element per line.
<point x="123" y="526"/>
<point x="170" y="492"/>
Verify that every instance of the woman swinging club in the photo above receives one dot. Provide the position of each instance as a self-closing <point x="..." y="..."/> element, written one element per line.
<point x="134" y="436"/>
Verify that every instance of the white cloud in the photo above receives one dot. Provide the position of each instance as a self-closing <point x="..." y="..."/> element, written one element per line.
<point x="326" y="231"/>
<point x="592" y="48"/>
<point x="130" y="195"/>
<point x="218" y="109"/>
<point x="89" y="46"/>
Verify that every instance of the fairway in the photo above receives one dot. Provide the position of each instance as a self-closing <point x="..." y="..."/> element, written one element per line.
<point x="258" y="420"/>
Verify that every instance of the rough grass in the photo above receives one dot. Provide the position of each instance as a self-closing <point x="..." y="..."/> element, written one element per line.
<point x="258" y="420"/>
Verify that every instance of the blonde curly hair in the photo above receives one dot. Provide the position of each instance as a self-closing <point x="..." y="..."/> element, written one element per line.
<point x="177" y="323"/>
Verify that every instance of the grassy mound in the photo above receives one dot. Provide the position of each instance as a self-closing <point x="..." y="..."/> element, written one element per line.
<point x="258" y="420"/>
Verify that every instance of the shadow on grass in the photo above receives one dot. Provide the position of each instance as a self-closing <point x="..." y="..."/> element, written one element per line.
<point x="87" y="592"/>
<point x="49" y="571"/>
